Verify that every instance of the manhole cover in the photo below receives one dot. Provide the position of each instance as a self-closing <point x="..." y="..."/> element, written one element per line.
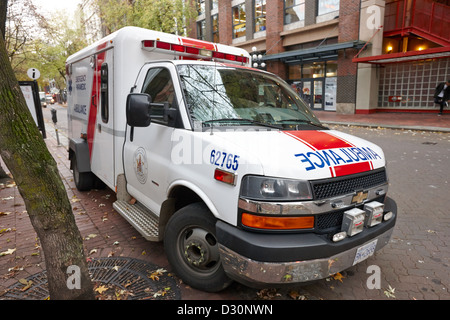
<point x="125" y="278"/>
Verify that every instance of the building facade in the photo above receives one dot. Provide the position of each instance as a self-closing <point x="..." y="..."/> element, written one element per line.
<point x="347" y="56"/>
<point x="89" y="21"/>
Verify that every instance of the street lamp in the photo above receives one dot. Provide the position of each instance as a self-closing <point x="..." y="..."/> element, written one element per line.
<point x="257" y="59"/>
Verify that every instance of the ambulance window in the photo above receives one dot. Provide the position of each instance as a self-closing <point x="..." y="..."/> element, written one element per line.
<point x="104" y="92"/>
<point x="158" y="84"/>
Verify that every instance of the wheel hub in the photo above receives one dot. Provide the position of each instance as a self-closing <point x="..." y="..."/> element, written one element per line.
<point x="195" y="253"/>
<point x="200" y="249"/>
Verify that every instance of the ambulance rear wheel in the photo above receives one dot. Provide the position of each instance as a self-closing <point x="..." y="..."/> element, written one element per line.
<point x="84" y="181"/>
<point x="192" y="249"/>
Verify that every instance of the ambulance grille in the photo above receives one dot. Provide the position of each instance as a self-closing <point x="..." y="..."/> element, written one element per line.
<point x="329" y="188"/>
<point x="334" y="219"/>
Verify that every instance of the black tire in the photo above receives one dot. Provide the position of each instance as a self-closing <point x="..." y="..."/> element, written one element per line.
<point x="84" y="181"/>
<point x="192" y="249"/>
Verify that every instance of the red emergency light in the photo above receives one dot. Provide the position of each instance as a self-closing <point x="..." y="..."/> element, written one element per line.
<point x="191" y="51"/>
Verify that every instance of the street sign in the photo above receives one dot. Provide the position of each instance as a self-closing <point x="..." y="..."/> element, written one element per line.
<point x="30" y="92"/>
<point x="33" y="73"/>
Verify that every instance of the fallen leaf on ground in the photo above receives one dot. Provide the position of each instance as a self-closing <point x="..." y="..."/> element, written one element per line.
<point x="9" y="251"/>
<point x="5" y="230"/>
<point x="268" y="294"/>
<point x="26" y="283"/>
<point x="161" y="292"/>
<point x="390" y="292"/>
<point x="296" y="296"/>
<point x="101" y="289"/>
<point x="338" y="276"/>
<point x="90" y="236"/>
<point x="156" y="274"/>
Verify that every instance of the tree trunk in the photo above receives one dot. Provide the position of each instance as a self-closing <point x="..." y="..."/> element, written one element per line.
<point x="35" y="172"/>
<point x="2" y="173"/>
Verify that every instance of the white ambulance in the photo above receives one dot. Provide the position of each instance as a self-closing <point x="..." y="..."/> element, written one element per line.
<point x="222" y="162"/>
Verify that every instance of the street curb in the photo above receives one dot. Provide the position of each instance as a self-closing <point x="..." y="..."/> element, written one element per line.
<point x="388" y="126"/>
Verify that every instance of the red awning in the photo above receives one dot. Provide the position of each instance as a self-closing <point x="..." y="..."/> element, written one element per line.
<point x="433" y="53"/>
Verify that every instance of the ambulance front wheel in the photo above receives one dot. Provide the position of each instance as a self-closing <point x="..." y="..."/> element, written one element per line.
<point x="192" y="249"/>
<point x="84" y="181"/>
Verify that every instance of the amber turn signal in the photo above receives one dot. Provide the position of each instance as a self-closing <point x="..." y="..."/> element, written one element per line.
<point x="277" y="223"/>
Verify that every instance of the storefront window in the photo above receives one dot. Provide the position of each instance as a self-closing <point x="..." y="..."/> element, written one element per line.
<point x="307" y="71"/>
<point x="215" y="4"/>
<point x="215" y="28"/>
<point x="294" y="10"/>
<point x="318" y="69"/>
<point x="239" y="21"/>
<point x="313" y="70"/>
<point x="331" y="68"/>
<point x="295" y="72"/>
<point x="327" y="6"/>
<point x="260" y="15"/>
<point x="200" y="7"/>
<point x="308" y="81"/>
<point x="201" y="27"/>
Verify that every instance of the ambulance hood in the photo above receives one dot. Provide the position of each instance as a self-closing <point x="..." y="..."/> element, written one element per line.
<point x="306" y="154"/>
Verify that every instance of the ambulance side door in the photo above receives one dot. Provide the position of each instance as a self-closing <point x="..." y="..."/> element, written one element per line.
<point x="147" y="150"/>
<point x="102" y="158"/>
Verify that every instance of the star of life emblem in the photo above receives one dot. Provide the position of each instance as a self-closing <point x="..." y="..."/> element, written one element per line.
<point x="140" y="165"/>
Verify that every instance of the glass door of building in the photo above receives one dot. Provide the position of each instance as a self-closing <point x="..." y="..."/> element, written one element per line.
<point x="318" y="94"/>
<point x="304" y="89"/>
<point x="311" y="90"/>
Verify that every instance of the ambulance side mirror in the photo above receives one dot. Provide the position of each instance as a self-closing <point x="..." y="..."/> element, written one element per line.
<point x="138" y="109"/>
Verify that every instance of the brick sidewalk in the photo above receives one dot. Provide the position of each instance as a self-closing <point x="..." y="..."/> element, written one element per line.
<point x="105" y="232"/>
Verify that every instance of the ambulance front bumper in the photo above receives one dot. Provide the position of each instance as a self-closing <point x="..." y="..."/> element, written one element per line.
<point x="258" y="259"/>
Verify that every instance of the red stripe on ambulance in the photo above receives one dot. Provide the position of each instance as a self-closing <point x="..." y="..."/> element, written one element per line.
<point x="326" y="142"/>
<point x="319" y="140"/>
<point x="95" y="93"/>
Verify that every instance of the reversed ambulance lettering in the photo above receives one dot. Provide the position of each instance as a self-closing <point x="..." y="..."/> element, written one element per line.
<point x="335" y="157"/>
<point x="328" y="150"/>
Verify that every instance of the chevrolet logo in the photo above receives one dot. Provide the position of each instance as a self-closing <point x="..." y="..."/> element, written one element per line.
<point x="360" y="196"/>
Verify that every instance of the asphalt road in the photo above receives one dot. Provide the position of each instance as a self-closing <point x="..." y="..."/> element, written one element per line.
<point x="416" y="263"/>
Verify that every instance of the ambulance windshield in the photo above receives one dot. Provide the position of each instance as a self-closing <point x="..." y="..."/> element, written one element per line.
<point x="218" y="95"/>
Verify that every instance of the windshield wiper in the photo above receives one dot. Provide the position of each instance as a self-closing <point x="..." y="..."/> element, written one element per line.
<point x="303" y="121"/>
<point x="240" y="120"/>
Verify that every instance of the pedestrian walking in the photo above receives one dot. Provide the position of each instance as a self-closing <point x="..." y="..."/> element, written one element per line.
<point x="442" y="95"/>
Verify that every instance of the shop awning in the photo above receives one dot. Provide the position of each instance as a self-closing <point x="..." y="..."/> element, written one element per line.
<point x="433" y="53"/>
<point x="329" y="51"/>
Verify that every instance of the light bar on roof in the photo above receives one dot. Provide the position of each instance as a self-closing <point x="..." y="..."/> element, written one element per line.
<point x="192" y="52"/>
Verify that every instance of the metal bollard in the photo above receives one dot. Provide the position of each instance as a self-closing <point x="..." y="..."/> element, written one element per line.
<point x="55" y="120"/>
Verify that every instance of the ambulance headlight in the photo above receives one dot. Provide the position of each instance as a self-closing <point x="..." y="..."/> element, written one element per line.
<point x="276" y="189"/>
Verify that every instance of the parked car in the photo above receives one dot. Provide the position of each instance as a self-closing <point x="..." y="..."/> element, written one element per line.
<point x="43" y="100"/>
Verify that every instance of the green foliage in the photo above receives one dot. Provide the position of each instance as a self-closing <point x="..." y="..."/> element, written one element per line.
<point x="35" y="41"/>
<point x="171" y="16"/>
<point x="57" y="43"/>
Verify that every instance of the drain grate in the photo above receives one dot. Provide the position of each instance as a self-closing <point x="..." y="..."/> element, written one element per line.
<point x="128" y="274"/>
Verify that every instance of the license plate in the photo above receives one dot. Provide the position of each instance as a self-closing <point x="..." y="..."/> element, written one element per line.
<point x="365" y="251"/>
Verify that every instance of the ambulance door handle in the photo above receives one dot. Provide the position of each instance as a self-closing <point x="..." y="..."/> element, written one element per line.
<point x="93" y="100"/>
<point x="99" y="126"/>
